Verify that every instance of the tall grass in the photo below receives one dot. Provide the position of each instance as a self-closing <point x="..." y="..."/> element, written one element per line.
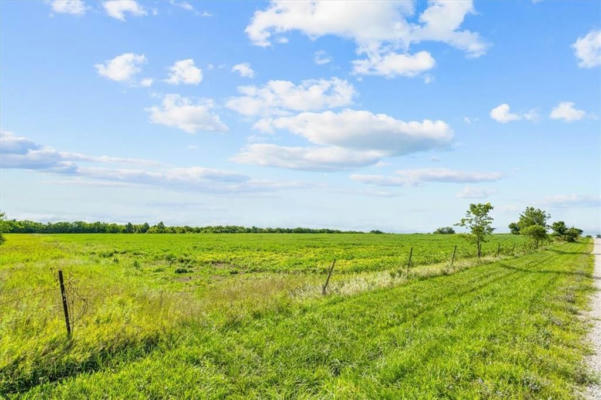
<point x="218" y="330"/>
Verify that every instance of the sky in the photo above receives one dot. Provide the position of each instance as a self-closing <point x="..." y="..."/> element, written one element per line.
<point x="391" y="115"/>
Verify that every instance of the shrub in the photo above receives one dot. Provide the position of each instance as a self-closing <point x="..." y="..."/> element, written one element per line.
<point x="445" y="230"/>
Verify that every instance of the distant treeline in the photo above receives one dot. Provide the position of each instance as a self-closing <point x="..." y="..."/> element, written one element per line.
<point x="15" y="226"/>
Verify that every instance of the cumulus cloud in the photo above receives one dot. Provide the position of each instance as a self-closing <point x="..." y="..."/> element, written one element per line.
<point x="182" y="113"/>
<point x="567" y="112"/>
<point x="122" y="68"/>
<point x="418" y="176"/>
<point x="280" y="97"/>
<point x="470" y="192"/>
<point x="502" y="114"/>
<point x="118" y="8"/>
<point x="378" y="27"/>
<point x="328" y="158"/>
<point x="76" y="7"/>
<point x="393" y="64"/>
<point x="184" y="72"/>
<point x="363" y="130"/>
<point x="244" y="70"/>
<point x="320" y="57"/>
<point x="588" y="49"/>
<point x="346" y="139"/>
<point x="17" y="152"/>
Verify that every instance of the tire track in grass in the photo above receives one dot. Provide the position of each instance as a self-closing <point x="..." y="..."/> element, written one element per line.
<point x="384" y="297"/>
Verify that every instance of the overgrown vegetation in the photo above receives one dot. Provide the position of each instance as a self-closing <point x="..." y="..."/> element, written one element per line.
<point x="506" y="329"/>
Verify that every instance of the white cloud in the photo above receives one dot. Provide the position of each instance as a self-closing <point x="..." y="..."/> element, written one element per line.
<point x="321" y="57"/>
<point x="118" y="8"/>
<point x="377" y="27"/>
<point x="17" y="152"/>
<point x="502" y="114"/>
<point x="470" y="192"/>
<point x="573" y="200"/>
<point x="417" y="176"/>
<point x="363" y="130"/>
<point x="392" y="64"/>
<point x="122" y="68"/>
<point x="182" y="4"/>
<point x="347" y="139"/>
<point x="279" y="97"/>
<point x="567" y="112"/>
<point x="76" y="7"/>
<point x="306" y="158"/>
<point x="244" y="70"/>
<point x="183" y="113"/>
<point x="184" y="71"/>
<point x="146" y="82"/>
<point x="588" y="49"/>
<point x="20" y="152"/>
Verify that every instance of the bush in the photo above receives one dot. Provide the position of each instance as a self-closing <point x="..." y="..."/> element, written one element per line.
<point x="445" y="230"/>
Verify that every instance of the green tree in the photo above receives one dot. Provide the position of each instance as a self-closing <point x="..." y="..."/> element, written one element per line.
<point x="559" y="229"/>
<point x="478" y="221"/>
<point x="572" y="234"/>
<point x="514" y="228"/>
<point x="536" y="232"/>
<point x="533" y="216"/>
<point x="1" y="227"/>
<point x="445" y="230"/>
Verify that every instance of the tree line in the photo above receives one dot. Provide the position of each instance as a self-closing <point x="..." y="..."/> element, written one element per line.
<point x="25" y="226"/>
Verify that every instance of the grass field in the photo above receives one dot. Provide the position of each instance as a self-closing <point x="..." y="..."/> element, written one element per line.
<point x="214" y="316"/>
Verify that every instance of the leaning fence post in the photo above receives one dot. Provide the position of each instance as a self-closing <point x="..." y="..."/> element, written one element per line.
<point x="64" y="298"/>
<point x="453" y="256"/>
<point x="409" y="260"/>
<point x="498" y="249"/>
<point x="325" y="286"/>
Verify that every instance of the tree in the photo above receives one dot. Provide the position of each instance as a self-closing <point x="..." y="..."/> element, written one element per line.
<point x="1" y="227"/>
<point x="559" y="229"/>
<point x="129" y="228"/>
<point x="514" y="228"/>
<point x="536" y="232"/>
<point x="478" y="221"/>
<point x="533" y="216"/>
<point x="572" y="234"/>
<point x="445" y="230"/>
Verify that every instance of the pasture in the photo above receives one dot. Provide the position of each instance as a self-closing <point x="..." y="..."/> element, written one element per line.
<point x="242" y="315"/>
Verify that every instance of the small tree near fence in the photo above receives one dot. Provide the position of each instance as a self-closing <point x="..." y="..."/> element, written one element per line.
<point x="1" y="227"/>
<point x="478" y="221"/>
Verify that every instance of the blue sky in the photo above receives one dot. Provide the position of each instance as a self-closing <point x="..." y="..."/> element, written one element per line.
<point x="390" y="115"/>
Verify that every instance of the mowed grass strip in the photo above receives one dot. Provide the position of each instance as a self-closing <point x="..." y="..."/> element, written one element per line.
<point x="504" y="330"/>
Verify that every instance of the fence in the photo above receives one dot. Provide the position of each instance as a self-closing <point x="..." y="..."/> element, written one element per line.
<point x="72" y="305"/>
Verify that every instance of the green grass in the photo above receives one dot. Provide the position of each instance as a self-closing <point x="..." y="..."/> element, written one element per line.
<point x="234" y="326"/>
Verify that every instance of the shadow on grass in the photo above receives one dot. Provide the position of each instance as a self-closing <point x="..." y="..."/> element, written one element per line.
<point x="557" y="251"/>
<point x="550" y="271"/>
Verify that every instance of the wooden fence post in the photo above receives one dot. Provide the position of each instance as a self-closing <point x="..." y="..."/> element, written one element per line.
<point x="325" y="286"/>
<point x="453" y="256"/>
<point x="498" y="249"/>
<point x="64" y="298"/>
<point x="409" y="260"/>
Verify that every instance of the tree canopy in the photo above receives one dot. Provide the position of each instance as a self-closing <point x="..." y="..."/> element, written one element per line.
<point x="25" y="226"/>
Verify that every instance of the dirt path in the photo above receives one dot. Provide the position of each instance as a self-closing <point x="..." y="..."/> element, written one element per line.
<point x="594" y="361"/>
